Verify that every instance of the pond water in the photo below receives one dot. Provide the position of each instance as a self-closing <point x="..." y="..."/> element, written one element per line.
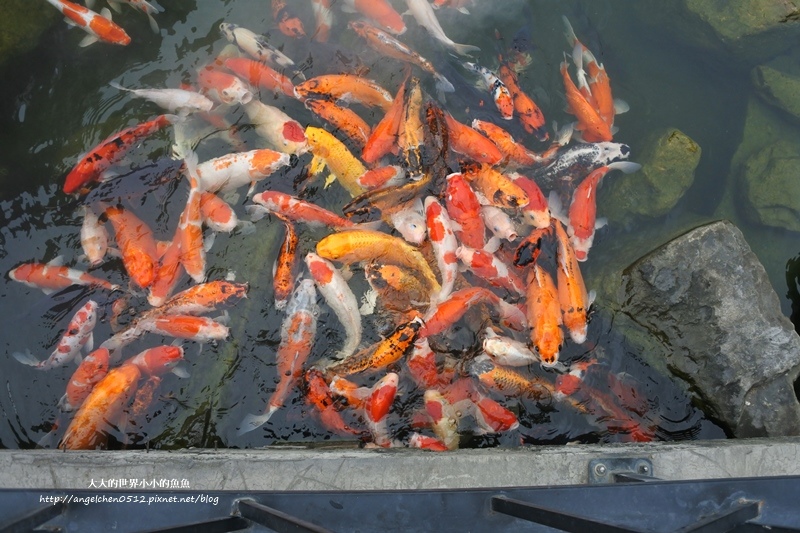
<point x="57" y="103"/>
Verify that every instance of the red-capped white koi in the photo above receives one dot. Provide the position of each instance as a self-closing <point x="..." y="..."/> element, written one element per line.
<point x="377" y="406"/>
<point x="229" y="172"/>
<point x="223" y="87"/>
<point x="216" y="213"/>
<point x="422" y="11"/>
<point x="77" y="336"/>
<point x="281" y="131"/>
<point x="490" y="268"/>
<point x="443" y="239"/>
<point x="98" y="26"/>
<point x="340" y="298"/>
<point x="507" y="351"/>
<point x="295" y="209"/>
<point x="177" y="101"/>
<point x="537" y="211"/>
<point x="573" y="298"/>
<point x="92" y="369"/>
<point x="297" y="338"/>
<point x="500" y="94"/>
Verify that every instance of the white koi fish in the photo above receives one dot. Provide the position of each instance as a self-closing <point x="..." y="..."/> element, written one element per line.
<point x="177" y="101"/>
<point x="425" y="17"/>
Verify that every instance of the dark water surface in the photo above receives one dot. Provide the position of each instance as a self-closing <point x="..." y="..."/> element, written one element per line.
<point x="56" y="103"/>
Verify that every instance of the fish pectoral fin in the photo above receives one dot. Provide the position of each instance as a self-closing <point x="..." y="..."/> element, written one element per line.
<point x="368" y="301"/>
<point x="329" y="180"/>
<point x="26" y="358"/>
<point x="251" y="422"/>
<point x="621" y="106"/>
<point x="600" y="223"/>
<point x="57" y="261"/>
<point x="153" y="24"/>
<point x="463" y="10"/>
<point x="89" y="346"/>
<point x="208" y="241"/>
<point x="70" y="23"/>
<point x="493" y="244"/>
<point x="181" y="372"/>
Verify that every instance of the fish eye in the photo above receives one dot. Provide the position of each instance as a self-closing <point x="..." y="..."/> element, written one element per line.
<point x="73" y="331"/>
<point x="536" y="348"/>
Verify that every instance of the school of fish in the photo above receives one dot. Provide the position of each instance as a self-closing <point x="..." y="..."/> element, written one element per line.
<point x="450" y="222"/>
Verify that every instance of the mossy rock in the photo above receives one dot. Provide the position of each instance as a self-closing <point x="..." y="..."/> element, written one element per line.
<point x="22" y="24"/>
<point x="770" y="187"/>
<point x="778" y="83"/>
<point x="668" y="167"/>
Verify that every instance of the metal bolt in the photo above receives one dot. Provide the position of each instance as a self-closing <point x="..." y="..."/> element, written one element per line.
<point x="644" y="469"/>
<point x="600" y="469"/>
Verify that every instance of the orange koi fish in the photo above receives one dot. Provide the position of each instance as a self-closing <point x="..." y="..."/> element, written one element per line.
<point x="100" y="158"/>
<point x="231" y="171"/>
<point x="53" y="276"/>
<point x="528" y="112"/>
<point x="498" y="189"/>
<point x="323" y="17"/>
<point x="509" y="382"/>
<point x="488" y="267"/>
<point x="537" y="211"/>
<point x="446" y="313"/>
<point x="286" y="19"/>
<point x="331" y="152"/>
<point x="222" y="86"/>
<point x="500" y="93"/>
<point x="343" y="119"/>
<point x="202" y="298"/>
<point x="465" y="210"/>
<point x="98" y="26"/>
<point x="159" y="360"/>
<point x="318" y="394"/>
<point x="384" y="136"/>
<point x="136" y="243"/>
<point x="297" y="338"/>
<point x="575" y="302"/>
<point x="168" y="273"/>
<point x="379" y="11"/>
<point x="260" y="75"/>
<point x="384" y="353"/>
<point x="296" y="210"/>
<point x="216" y="213"/>
<point x="378" y="178"/>
<point x="348" y="88"/>
<point x="92" y="369"/>
<point x="544" y="315"/>
<point x="593" y="126"/>
<point x="515" y="152"/>
<point x="190" y="228"/>
<point x="465" y="140"/>
<point x="285" y="265"/>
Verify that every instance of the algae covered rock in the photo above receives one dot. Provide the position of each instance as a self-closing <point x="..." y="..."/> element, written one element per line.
<point x="770" y="186"/>
<point x="778" y="83"/>
<point x="22" y="24"/>
<point x="668" y="166"/>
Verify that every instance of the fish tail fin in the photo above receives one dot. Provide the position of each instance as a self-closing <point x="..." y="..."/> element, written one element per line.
<point x="119" y="87"/>
<point x="153" y="23"/>
<point x="465" y="49"/>
<point x="64" y="404"/>
<point x="251" y="422"/>
<point x="569" y="33"/>
<point x="26" y="358"/>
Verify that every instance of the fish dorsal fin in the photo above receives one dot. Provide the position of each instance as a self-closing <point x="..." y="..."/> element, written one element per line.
<point x="105" y="13"/>
<point x="57" y="261"/>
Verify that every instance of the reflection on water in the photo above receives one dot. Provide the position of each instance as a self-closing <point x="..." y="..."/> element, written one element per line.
<point x="57" y="103"/>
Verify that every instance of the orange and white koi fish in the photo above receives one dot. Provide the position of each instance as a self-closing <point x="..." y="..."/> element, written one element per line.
<point x="281" y="131"/>
<point x="380" y="355"/>
<point x="178" y="101"/>
<point x="544" y="315"/>
<point x="318" y="394"/>
<point x="492" y="417"/>
<point x="500" y="93"/>
<point x="297" y="338"/>
<point x="423" y="13"/>
<point x="260" y="75"/>
<point x="296" y="210"/>
<point x="465" y="140"/>
<point x="590" y="123"/>
<point x="287" y="20"/>
<point x="515" y="152"/>
<point x="323" y="17"/>
<point x="169" y="271"/>
<point x="100" y="158"/>
<point x="201" y="299"/>
<point x="53" y="276"/>
<point x="331" y="152"/>
<point x="386" y="44"/>
<point x="499" y="223"/>
<point x="92" y="369"/>
<point x="422" y="365"/>
<point x="509" y="382"/>
<point x="526" y="109"/>
<point x="442" y="316"/>
<point x="348" y="88"/>
<point x="381" y="177"/>
<point x="380" y="12"/>
<point x="384" y="135"/>
<point x="537" y="211"/>
<point x="507" y="351"/>
<point x="340" y="298"/>
<point x="444" y="417"/>
<point x="190" y="227"/>
<point x="98" y="26"/>
<point x="464" y="209"/>
<point x="258" y="48"/>
<point x="216" y="213"/>
<point x="443" y="239"/>
<point x="94" y="237"/>
<point x="488" y="267"/>
<point x="572" y="295"/>
<point x="342" y="119"/>
<point x="356" y="245"/>
<point x="283" y="270"/>
<point x="377" y="406"/>
<point x="498" y="189"/>
<point x="231" y="171"/>
<point x="195" y="328"/>
<point x="159" y="360"/>
<point x="223" y="87"/>
<point x="136" y="243"/>
<point x="425" y="442"/>
<point x="77" y="336"/>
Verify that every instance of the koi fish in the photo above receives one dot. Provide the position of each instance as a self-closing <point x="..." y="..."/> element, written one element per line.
<point x="345" y="167"/>
<point x="287" y="20"/>
<point x="506" y="351"/>
<point x="575" y="302"/>
<point x="53" y="276"/>
<point x="159" y="360"/>
<point x="202" y="298"/>
<point x="537" y="212"/>
<point x="385" y="44"/>
<point x="348" y="88"/>
<point x="458" y="5"/>
<point x="422" y="365"/>
<point x="544" y="315"/>
<point x="396" y="288"/>
<point x="296" y="210"/>
<point x="424" y="442"/>
<point x="297" y="338"/>
<point x="492" y="417"/>
<point x="142" y="5"/>
<point x="168" y="272"/>
<point x="377" y="406"/>
<point x="92" y="369"/>
<point x="355" y="245"/>
<point x="231" y="171"/>
<point x="257" y="47"/>
<point x="579" y="160"/>
<point x="488" y="267"/>
<point x="499" y="223"/>
<point x="340" y="298"/>
<point x="178" y="101"/>
<point x="323" y="16"/>
<point x="318" y="394"/>
<point x="381" y="177"/>
<point x="342" y="119"/>
<point x="98" y="26"/>
<point x="409" y="221"/>
<point x="382" y="354"/>
<point x="100" y="158"/>
<point x="526" y="109"/>
<point x="281" y="131"/>
<point x="589" y="120"/>
<point x="379" y="11"/>
<point x="500" y="93"/>
<point x="136" y="243"/>
<point x="465" y="140"/>
<point x="498" y="189"/>
<point x="423" y="13"/>
<point x="384" y="135"/>
<point x="216" y="213"/>
<point x="195" y="328"/>
<point x="94" y="237"/>
<point x="260" y="75"/>
<point x="511" y="149"/>
<point x="77" y="336"/>
<point x="464" y="208"/>
<point x="190" y="227"/>
<point x="441" y="317"/>
<point x="444" y="417"/>
<point x="444" y="242"/>
<point x="285" y="265"/>
<point x="509" y="382"/>
<point x="223" y="87"/>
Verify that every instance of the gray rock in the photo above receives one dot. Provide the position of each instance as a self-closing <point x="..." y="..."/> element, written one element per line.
<point x="770" y="188"/>
<point x="21" y="26"/>
<point x="709" y="300"/>
<point x="778" y="83"/>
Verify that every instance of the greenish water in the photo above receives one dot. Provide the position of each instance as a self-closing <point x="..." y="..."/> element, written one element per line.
<point x="56" y="104"/>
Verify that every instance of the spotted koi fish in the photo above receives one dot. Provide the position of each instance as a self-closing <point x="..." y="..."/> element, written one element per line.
<point x="500" y="93"/>
<point x="283" y="271"/>
<point x="384" y="353"/>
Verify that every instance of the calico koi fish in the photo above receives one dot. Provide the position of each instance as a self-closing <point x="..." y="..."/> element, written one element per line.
<point x="222" y="86"/>
<point x="342" y="119"/>
<point x="465" y="140"/>
<point x="53" y="276"/>
<point x="257" y="47"/>
<point x="528" y="112"/>
<point x="379" y="11"/>
<point x="92" y="369"/>
<point x="318" y="394"/>
<point x="491" y="269"/>
<point x="94" y="237"/>
<point x="296" y="210"/>
<point x="100" y="158"/>
<point x="348" y="88"/>
<point x="216" y="213"/>
<point x="283" y="270"/>
<point x="573" y="298"/>
<point x="136" y="243"/>
<point x="500" y="93"/>
<point x="340" y="298"/>
<point x="423" y="13"/>
<point x="297" y="338"/>
<point x="178" y="101"/>
<point x="579" y="160"/>
<point x="231" y="171"/>
<point x="344" y="166"/>
<point x="98" y="26"/>
<point x="287" y="20"/>
<point x="544" y="315"/>
<point x="260" y="75"/>
<point x="382" y="354"/>
<point x="281" y="131"/>
<point x="77" y="336"/>
<point x="444" y="242"/>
